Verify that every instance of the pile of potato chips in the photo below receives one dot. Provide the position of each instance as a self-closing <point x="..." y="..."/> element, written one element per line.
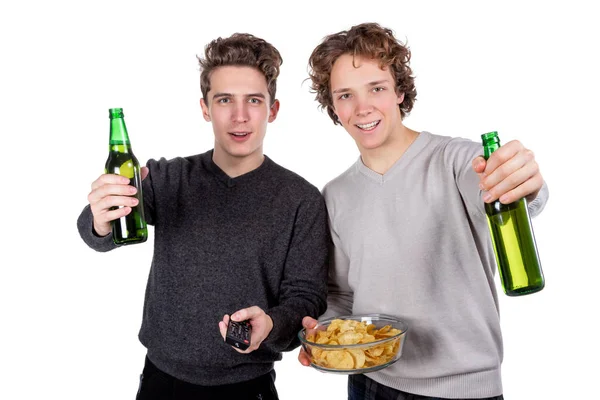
<point x="345" y="332"/>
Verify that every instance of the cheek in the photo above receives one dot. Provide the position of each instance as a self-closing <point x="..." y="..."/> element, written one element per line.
<point x="220" y="119"/>
<point x="343" y="110"/>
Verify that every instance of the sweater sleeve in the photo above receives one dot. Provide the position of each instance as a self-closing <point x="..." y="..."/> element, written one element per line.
<point x="340" y="297"/>
<point x="303" y="289"/>
<point x="85" y="226"/>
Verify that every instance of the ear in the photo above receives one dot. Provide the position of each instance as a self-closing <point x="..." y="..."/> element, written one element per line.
<point x="274" y="110"/>
<point x="205" y="112"/>
<point x="400" y="98"/>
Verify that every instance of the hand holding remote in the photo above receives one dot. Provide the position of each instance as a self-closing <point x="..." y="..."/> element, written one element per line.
<point x="258" y="327"/>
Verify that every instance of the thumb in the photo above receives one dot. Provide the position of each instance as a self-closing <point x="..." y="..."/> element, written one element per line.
<point x="144" y="172"/>
<point x="246" y="313"/>
<point x="479" y="164"/>
<point x="309" y="322"/>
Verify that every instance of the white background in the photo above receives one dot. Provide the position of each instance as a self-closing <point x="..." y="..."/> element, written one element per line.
<point x="70" y="316"/>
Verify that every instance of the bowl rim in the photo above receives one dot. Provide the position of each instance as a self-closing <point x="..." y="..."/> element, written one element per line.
<point x="391" y="318"/>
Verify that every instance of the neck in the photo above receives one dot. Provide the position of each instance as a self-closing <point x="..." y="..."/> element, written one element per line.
<point x="381" y="158"/>
<point x="236" y="166"/>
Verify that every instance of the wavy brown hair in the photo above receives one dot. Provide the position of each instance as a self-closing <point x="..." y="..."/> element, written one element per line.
<point x="368" y="40"/>
<point x="241" y="49"/>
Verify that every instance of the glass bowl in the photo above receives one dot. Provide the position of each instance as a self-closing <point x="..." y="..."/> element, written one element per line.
<point x="354" y="344"/>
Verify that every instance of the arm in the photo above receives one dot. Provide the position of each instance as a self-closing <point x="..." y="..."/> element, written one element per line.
<point x="340" y="297"/>
<point x="303" y="288"/>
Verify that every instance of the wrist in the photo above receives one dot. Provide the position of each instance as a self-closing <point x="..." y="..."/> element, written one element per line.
<point x="101" y="232"/>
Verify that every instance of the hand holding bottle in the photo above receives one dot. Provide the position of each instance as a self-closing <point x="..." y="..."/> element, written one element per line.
<point x="109" y="191"/>
<point x="516" y="173"/>
<point x="509" y="174"/>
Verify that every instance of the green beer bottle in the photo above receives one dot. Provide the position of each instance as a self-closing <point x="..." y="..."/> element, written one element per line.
<point x="512" y="236"/>
<point x="131" y="228"/>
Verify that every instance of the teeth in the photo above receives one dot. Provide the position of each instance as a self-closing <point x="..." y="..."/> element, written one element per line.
<point x="239" y="133"/>
<point x="368" y="126"/>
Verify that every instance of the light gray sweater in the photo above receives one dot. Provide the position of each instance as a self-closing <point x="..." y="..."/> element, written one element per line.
<point x="414" y="243"/>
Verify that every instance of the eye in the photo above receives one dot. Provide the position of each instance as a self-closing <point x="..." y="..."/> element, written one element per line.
<point x="344" y="96"/>
<point x="378" y="89"/>
<point x="223" y="100"/>
<point x="254" y="100"/>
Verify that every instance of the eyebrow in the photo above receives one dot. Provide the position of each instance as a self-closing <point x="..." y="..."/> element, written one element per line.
<point x="224" y="94"/>
<point x="370" y="84"/>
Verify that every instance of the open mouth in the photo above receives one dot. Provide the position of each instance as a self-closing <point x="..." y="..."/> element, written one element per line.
<point x="240" y="136"/>
<point x="368" y="126"/>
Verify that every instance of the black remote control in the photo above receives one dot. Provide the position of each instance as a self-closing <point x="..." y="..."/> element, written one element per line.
<point x="238" y="334"/>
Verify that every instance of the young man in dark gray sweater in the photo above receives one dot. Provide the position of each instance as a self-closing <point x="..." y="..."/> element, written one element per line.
<point x="235" y="233"/>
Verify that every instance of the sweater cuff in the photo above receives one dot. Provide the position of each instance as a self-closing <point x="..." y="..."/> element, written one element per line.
<point x="536" y="206"/>
<point x="284" y="335"/>
<point x="85" y="225"/>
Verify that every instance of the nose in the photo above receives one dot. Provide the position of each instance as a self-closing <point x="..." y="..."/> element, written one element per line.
<point x="240" y="113"/>
<point x="363" y="106"/>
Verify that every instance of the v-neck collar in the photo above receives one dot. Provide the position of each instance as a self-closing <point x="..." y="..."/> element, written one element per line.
<point x="207" y="160"/>
<point x="415" y="147"/>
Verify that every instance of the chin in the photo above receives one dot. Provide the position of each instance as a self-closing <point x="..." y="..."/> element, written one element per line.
<point x="370" y="144"/>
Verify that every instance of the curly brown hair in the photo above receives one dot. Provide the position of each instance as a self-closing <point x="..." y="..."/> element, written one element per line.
<point x="241" y="49"/>
<point x="368" y="40"/>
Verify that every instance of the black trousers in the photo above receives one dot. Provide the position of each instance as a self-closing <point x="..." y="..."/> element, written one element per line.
<point x="157" y="385"/>
<point x="361" y="387"/>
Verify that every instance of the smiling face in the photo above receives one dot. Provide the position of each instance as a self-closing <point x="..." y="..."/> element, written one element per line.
<point x="238" y="106"/>
<point x="366" y="102"/>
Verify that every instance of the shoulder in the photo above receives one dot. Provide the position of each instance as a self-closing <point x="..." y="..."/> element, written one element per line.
<point x="454" y="149"/>
<point x="293" y="183"/>
<point x="347" y="181"/>
<point x="163" y="165"/>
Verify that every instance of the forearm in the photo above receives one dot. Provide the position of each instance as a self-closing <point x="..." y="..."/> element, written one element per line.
<point x="338" y="303"/>
<point x="287" y="320"/>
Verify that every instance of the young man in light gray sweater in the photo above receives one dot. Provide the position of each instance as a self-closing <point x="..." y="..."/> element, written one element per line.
<point x="408" y="224"/>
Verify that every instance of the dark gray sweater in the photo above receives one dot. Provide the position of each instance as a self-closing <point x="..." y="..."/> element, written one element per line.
<point x="222" y="244"/>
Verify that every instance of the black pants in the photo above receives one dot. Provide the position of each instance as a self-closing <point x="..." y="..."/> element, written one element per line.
<point x="361" y="387"/>
<point x="157" y="385"/>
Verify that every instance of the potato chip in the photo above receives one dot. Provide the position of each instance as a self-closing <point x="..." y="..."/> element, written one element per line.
<point x="359" y="357"/>
<point x="339" y="359"/>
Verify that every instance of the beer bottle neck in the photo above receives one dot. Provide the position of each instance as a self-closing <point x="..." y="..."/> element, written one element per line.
<point x="491" y="143"/>
<point x="119" y="140"/>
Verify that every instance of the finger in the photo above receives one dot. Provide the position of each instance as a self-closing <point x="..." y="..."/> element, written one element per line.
<point x="223" y="329"/>
<point x="110" y="190"/>
<point x="520" y="160"/>
<point x="515" y="180"/>
<point x="144" y="172"/>
<point x="502" y="155"/>
<point x="108" y="216"/>
<point x="530" y="187"/>
<point x="309" y="322"/>
<point x="109" y="202"/>
<point x="478" y="164"/>
<point x="110" y="179"/>
<point x="247" y="313"/>
<point x="304" y="358"/>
